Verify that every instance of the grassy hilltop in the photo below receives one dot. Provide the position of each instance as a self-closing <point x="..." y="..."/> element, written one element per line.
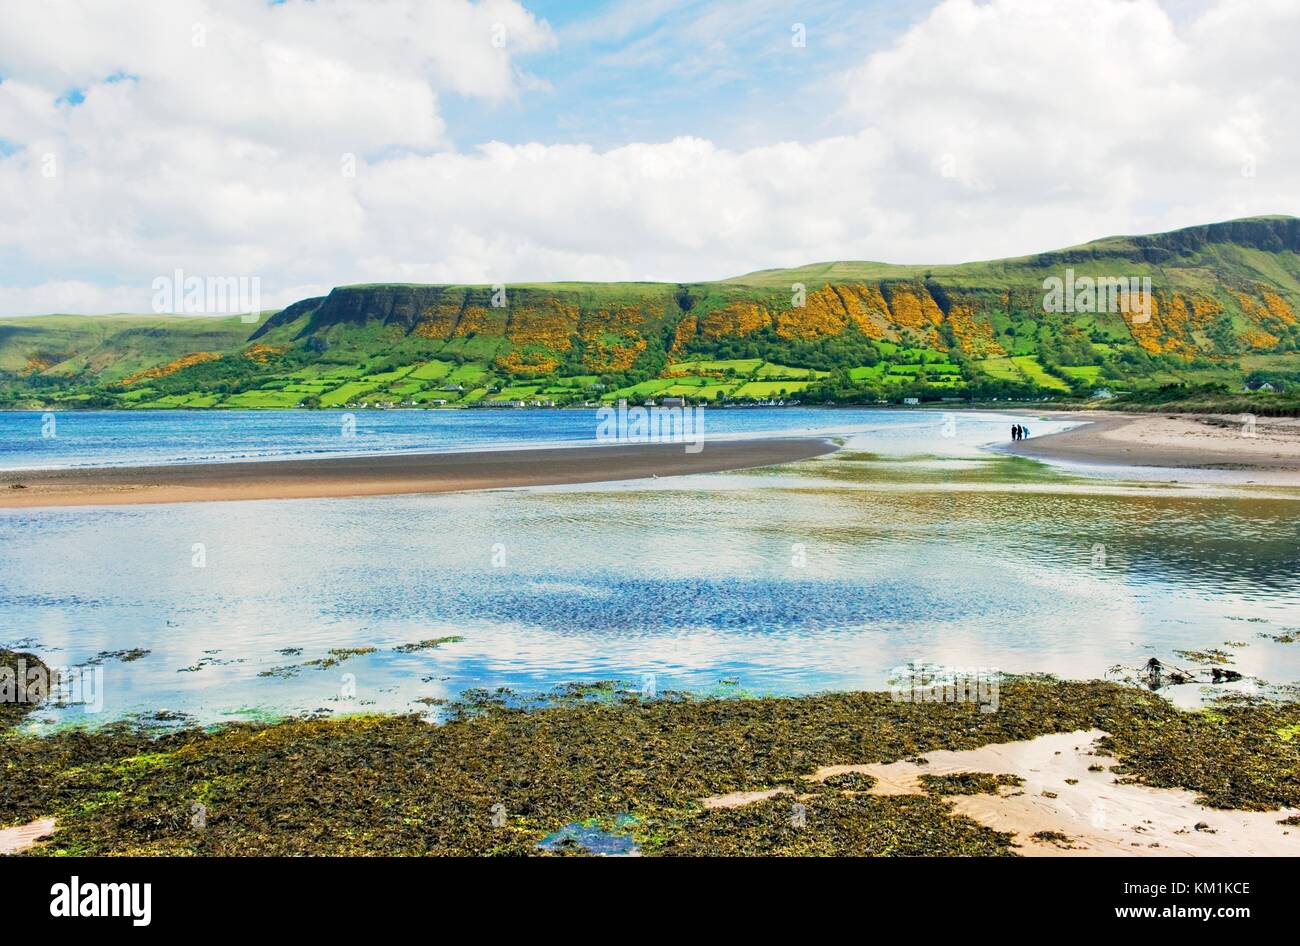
<point x="1224" y="311"/>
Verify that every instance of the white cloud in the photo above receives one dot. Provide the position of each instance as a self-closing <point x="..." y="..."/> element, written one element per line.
<point x="326" y="74"/>
<point x="986" y="130"/>
<point x="1096" y="112"/>
<point x="70" y="296"/>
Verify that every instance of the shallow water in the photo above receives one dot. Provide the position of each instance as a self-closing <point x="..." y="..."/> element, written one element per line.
<point x="32" y="440"/>
<point x="906" y="546"/>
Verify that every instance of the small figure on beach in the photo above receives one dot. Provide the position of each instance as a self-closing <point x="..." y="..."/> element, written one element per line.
<point x="1024" y="432"/>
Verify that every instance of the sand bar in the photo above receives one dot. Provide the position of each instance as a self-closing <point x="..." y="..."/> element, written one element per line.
<point x="1266" y="450"/>
<point x="390" y="474"/>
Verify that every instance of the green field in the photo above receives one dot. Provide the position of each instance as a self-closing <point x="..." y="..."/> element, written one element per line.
<point x="346" y="394"/>
<point x="764" y="390"/>
<point x="1088" y="373"/>
<point x="769" y="370"/>
<point x="521" y="392"/>
<point x="431" y="371"/>
<point x="1032" y="370"/>
<point x="741" y="366"/>
<point x="641" y="390"/>
<point x="868" y="372"/>
<point x="467" y="374"/>
<point x="1004" y="369"/>
<point x="263" y="399"/>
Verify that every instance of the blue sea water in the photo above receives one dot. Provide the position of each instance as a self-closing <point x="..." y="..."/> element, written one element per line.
<point x="32" y="440"/>
<point x="914" y="543"/>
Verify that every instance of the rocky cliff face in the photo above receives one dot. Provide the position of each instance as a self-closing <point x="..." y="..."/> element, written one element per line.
<point x="1204" y="302"/>
<point x="357" y="306"/>
<point x="1270" y="234"/>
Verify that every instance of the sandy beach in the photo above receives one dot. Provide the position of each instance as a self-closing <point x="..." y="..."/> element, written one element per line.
<point x="1267" y="452"/>
<point x="1069" y="803"/>
<point x="392" y="473"/>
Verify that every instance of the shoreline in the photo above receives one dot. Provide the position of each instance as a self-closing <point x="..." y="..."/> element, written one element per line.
<point x="392" y="474"/>
<point x="1076" y="768"/>
<point x="1267" y="453"/>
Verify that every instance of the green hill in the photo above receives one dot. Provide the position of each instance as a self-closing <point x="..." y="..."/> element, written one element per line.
<point x="1223" y="309"/>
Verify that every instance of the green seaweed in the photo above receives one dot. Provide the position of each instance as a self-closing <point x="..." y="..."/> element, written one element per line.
<point x="332" y="658"/>
<point x="968" y="783"/>
<point x="504" y="772"/>
<point x="337" y="655"/>
<point x="16" y="700"/>
<point x="430" y="644"/>
<point x="1232" y="755"/>
<point x="125" y="656"/>
<point x="849" y="781"/>
<point x="1212" y="656"/>
<point x="834" y="824"/>
<point x="1063" y="841"/>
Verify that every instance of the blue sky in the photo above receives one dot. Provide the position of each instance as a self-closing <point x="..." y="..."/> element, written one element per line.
<point x="656" y="69"/>
<point x="651" y="70"/>
<point x="315" y="143"/>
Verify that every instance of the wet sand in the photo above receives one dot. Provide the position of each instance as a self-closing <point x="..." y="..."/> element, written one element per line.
<point x="1071" y="804"/>
<point x="392" y="473"/>
<point x="1267" y="452"/>
<point x="14" y="840"/>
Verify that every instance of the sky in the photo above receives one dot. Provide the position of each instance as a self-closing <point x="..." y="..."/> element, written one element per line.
<point x="314" y="143"/>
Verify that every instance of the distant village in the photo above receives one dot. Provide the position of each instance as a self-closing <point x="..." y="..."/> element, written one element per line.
<point x="542" y="402"/>
<point x="487" y="403"/>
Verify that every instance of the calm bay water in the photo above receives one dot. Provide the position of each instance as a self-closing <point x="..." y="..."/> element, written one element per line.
<point x="907" y="545"/>
<point x="108" y="438"/>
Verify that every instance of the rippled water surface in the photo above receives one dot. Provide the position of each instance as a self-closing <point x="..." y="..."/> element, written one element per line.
<point x="907" y="545"/>
<point x="31" y="440"/>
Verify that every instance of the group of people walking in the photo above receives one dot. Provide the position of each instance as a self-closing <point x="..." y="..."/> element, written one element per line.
<point x="1019" y="432"/>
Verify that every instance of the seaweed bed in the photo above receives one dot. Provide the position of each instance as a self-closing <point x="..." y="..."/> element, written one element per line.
<point x="499" y="776"/>
<point x="18" y="703"/>
<point x="968" y="783"/>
